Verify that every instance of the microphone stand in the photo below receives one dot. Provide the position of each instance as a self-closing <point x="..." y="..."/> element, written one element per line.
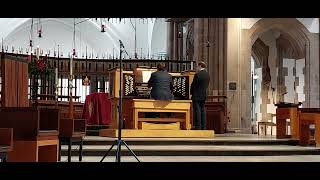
<point x="119" y="141"/>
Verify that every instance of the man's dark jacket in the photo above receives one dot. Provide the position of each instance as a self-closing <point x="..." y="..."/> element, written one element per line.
<point x="200" y="85"/>
<point x="161" y="83"/>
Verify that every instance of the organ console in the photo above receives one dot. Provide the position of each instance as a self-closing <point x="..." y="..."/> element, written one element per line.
<point x="135" y="83"/>
<point x="175" y="115"/>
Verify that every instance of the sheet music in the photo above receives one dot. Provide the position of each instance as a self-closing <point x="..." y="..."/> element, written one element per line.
<point x="146" y="76"/>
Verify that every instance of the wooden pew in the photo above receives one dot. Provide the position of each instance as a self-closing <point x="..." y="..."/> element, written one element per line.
<point x="35" y="133"/>
<point x="6" y="142"/>
<point x="308" y="116"/>
<point x="63" y="106"/>
<point x="71" y="129"/>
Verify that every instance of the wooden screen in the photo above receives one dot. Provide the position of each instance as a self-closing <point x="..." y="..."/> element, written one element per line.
<point x="14" y="74"/>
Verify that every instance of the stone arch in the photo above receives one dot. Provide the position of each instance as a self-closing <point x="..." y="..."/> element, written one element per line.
<point x="297" y="37"/>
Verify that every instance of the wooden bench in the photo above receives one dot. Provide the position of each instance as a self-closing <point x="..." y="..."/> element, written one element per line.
<point x="6" y="142"/>
<point x="160" y="123"/>
<point x="35" y="133"/>
<point x="173" y="106"/>
<point x="161" y="120"/>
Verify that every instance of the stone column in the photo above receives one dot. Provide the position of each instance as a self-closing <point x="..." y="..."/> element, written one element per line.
<point x="210" y="44"/>
<point x="170" y="41"/>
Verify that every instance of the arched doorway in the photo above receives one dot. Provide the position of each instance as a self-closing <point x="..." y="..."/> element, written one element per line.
<point x="282" y="48"/>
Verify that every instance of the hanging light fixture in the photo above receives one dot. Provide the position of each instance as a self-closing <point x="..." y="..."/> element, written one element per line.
<point x="102" y="26"/>
<point x="31" y="35"/>
<point x="39" y="29"/>
<point x="39" y="33"/>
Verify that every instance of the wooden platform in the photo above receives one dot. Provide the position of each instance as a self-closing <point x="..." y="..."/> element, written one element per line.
<point x="136" y="133"/>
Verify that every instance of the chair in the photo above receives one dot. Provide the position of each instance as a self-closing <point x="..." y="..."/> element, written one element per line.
<point x="265" y="124"/>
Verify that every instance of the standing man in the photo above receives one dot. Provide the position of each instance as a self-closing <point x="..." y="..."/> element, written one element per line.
<point x="199" y="88"/>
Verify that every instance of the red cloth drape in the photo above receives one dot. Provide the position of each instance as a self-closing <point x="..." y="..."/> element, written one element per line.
<point x="97" y="109"/>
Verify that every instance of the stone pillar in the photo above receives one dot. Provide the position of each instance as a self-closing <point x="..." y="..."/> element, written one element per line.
<point x="170" y="41"/>
<point x="210" y="44"/>
<point x="175" y="41"/>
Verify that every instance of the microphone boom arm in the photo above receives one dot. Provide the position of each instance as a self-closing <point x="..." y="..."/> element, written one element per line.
<point x="123" y="48"/>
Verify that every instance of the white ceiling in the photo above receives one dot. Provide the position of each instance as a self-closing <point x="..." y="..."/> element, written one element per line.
<point x="59" y="31"/>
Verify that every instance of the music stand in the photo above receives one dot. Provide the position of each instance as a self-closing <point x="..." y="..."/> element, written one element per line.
<point x="119" y="141"/>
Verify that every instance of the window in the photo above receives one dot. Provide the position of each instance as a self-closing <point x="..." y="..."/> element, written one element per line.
<point x="81" y="90"/>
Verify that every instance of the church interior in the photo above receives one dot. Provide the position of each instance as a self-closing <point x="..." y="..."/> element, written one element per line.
<point x="76" y="89"/>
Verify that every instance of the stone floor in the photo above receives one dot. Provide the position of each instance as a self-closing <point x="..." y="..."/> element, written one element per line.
<point x="202" y="147"/>
<point x="295" y="158"/>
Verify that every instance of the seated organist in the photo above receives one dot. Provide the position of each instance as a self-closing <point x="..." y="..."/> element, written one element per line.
<point x="160" y="83"/>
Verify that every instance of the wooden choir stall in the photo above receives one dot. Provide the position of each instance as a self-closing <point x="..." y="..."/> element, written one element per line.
<point x="37" y="126"/>
<point x="34" y="131"/>
<point x="216" y="112"/>
<point x="307" y="117"/>
<point x="72" y="127"/>
<point x="175" y="115"/>
<point x="300" y="121"/>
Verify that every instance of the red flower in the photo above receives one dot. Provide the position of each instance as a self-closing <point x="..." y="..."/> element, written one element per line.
<point x="41" y="65"/>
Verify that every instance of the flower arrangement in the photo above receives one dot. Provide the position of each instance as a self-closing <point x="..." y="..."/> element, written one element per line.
<point x="40" y="67"/>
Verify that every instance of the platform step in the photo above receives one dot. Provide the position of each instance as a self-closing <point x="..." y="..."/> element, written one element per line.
<point x="132" y="133"/>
